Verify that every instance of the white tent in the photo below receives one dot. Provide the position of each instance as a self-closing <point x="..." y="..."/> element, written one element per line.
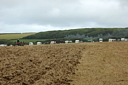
<point x="66" y="41"/>
<point x="111" y="40"/>
<point x="122" y="39"/>
<point x="30" y="43"/>
<point x="77" y="41"/>
<point x="53" y="42"/>
<point x="3" y="45"/>
<point x="39" y="43"/>
<point x="100" y="39"/>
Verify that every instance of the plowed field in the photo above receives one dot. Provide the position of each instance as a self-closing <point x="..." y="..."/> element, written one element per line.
<point x="65" y="64"/>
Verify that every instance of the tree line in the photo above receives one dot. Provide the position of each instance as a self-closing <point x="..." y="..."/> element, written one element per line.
<point x="82" y="33"/>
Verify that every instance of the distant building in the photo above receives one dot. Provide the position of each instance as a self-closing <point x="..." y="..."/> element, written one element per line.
<point x="39" y="43"/>
<point x="77" y="41"/>
<point x="53" y="42"/>
<point x="100" y="39"/>
<point x="66" y="41"/>
<point x="70" y="41"/>
<point x="112" y="40"/>
<point x="3" y="45"/>
<point x="122" y="39"/>
<point x="30" y="43"/>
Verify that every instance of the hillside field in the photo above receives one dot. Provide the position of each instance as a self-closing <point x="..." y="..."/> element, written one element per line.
<point x="14" y="35"/>
<point x="82" y="33"/>
<point x="65" y="64"/>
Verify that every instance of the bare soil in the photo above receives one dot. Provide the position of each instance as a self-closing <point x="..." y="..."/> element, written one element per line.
<point x="103" y="64"/>
<point x="65" y="64"/>
<point x="39" y="65"/>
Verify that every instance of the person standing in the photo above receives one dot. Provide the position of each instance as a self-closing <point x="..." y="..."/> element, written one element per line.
<point x="18" y="42"/>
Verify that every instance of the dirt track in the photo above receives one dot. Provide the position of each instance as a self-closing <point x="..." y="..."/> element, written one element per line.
<point x="65" y="64"/>
<point x="103" y="64"/>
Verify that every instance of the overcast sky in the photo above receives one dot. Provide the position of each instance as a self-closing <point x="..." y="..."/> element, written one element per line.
<point x="43" y="15"/>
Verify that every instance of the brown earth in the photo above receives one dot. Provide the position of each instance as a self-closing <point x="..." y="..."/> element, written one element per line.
<point x="103" y="64"/>
<point x="65" y="64"/>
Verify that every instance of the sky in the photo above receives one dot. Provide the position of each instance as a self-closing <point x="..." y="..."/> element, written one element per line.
<point x="18" y="16"/>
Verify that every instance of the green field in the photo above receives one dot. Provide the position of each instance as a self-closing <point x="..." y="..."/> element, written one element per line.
<point x="28" y="40"/>
<point x="11" y="38"/>
<point x="14" y="35"/>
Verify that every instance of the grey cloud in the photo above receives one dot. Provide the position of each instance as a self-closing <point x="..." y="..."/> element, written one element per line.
<point x="62" y="14"/>
<point x="124" y="2"/>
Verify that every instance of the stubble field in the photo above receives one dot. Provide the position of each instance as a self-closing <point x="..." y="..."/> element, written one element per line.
<point x="65" y="64"/>
<point x="14" y="35"/>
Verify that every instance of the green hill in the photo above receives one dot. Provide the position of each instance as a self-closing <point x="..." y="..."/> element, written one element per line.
<point x="82" y="33"/>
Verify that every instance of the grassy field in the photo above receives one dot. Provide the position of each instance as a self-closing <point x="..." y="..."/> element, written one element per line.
<point x="14" y="35"/>
<point x="28" y="40"/>
<point x="65" y="64"/>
